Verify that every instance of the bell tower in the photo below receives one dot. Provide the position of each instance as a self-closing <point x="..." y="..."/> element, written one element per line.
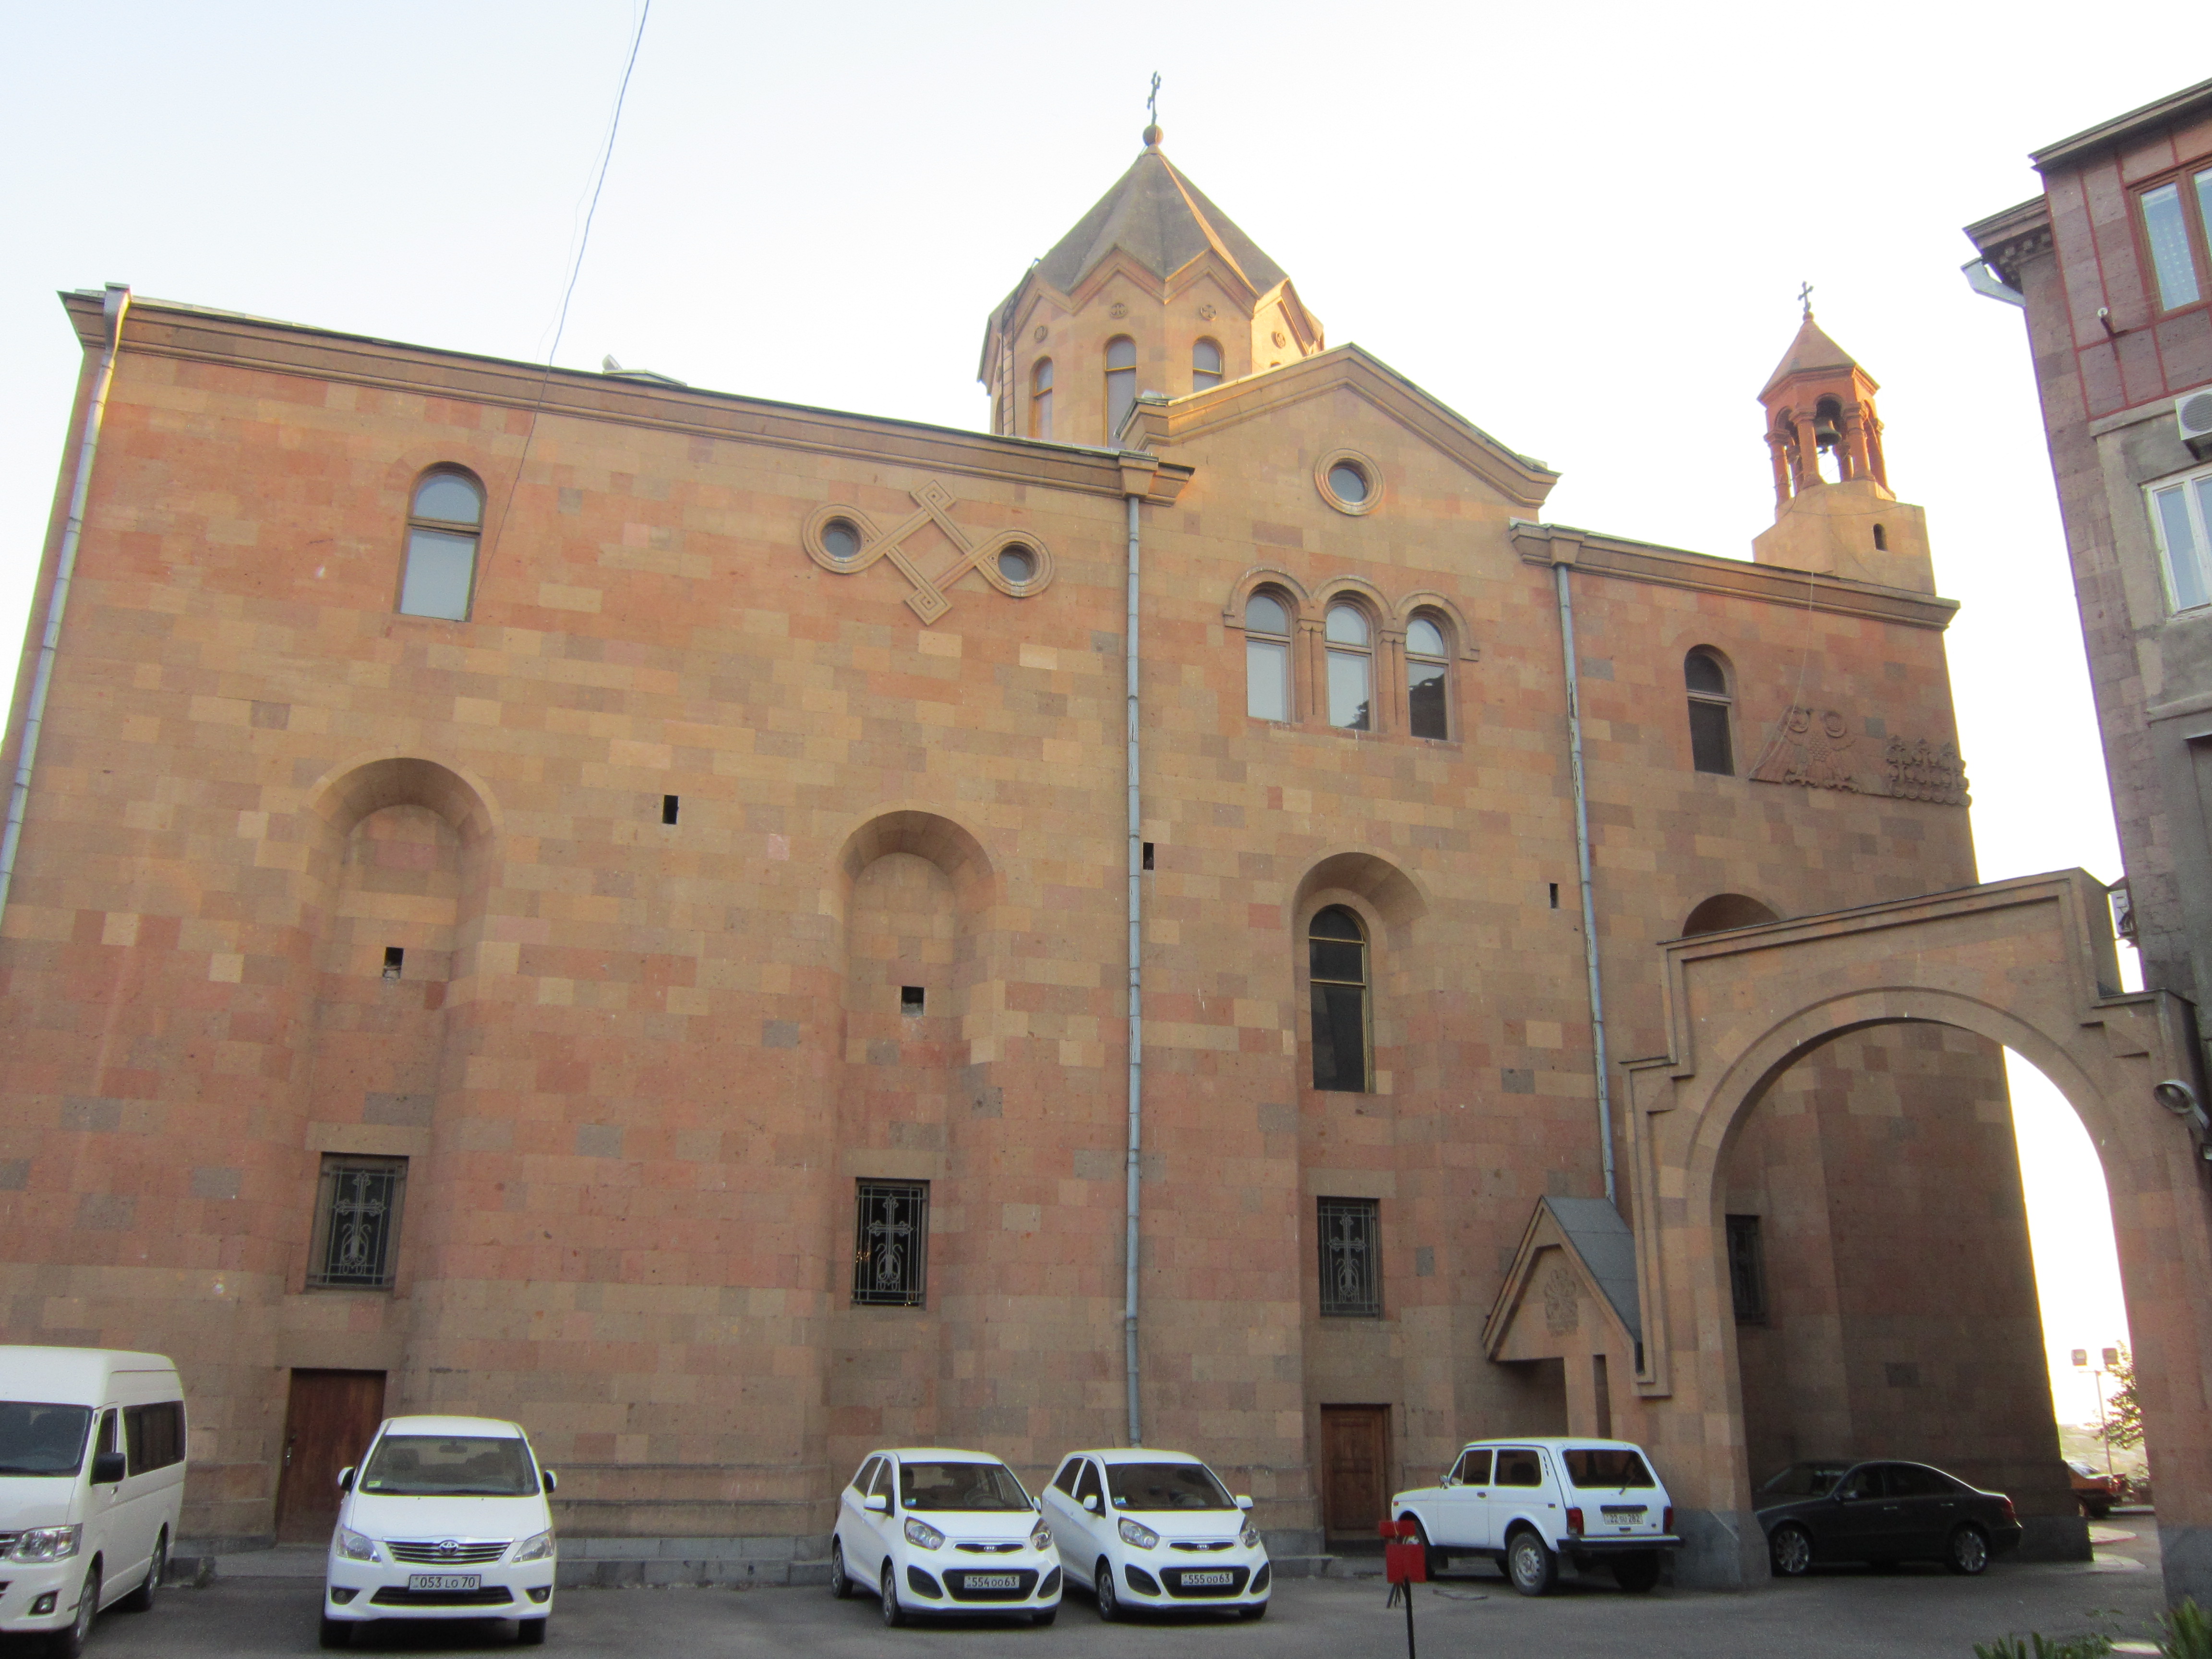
<point x="1834" y="511"/>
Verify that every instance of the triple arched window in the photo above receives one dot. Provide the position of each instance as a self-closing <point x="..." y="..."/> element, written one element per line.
<point x="445" y="523"/>
<point x="1121" y="382"/>
<point x="1350" y="668"/>
<point x="1350" y="678"/>
<point x="1711" y="709"/>
<point x="1336" y="968"/>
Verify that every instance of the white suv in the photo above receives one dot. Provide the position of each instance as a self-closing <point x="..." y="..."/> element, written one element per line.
<point x="1147" y="1528"/>
<point x="1526" y="1503"/>
<point x="448" y="1519"/>
<point x="931" y="1530"/>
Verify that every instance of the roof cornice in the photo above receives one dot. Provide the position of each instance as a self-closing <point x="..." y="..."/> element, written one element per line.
<point x="1704" y="573"/>
<point x="186" y="333"/>
<point x="2006" y="241"/>
<point x="2174" y="107"/>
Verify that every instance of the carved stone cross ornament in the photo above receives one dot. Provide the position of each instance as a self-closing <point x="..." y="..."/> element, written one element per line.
<point x="1001" y="558"/>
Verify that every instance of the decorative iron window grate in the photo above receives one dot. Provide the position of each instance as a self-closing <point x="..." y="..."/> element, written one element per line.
<point x="1351" y="1239"/>
<point x="1746" y="1258"/>
<point x="890" y="1243"/>
<point x="356" y="1244"/>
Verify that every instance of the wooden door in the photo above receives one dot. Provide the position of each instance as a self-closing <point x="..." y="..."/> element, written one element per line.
<point x="328" y="1424"/>
<point x="1355" y="1468"/>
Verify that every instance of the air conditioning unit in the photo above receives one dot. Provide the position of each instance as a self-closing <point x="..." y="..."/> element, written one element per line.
<point x="2193" y="410"/>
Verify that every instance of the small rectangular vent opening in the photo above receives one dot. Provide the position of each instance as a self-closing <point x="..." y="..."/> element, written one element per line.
<point x="668" y="809"/>
<point x="394" y="959"/>
<point x="1148" y="855"/>
<point x="910" y="998"/>
<point x="1555" y="895"/>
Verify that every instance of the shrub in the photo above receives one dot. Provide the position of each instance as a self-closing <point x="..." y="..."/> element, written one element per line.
<point x="2188" y="1632"/>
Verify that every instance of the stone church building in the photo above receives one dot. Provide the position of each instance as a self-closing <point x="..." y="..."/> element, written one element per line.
<point x="580" y="898"/>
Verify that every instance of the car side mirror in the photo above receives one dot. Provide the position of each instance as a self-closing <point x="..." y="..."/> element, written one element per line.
<point x="879" y="1502"/>
<point x="107" y="1469"/>
<point x="552" y="1481"/>
<point x="1244" y="1501"/>
<point x="1091" y="1502"/>
<point x="345" y="1479"/>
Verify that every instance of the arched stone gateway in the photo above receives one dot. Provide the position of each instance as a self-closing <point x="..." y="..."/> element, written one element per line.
<point x="2028" y="963"/>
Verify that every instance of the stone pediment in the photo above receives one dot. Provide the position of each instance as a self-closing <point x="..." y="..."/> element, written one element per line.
<point x="1572" y="1288"/>
<point x="1519" y="478"/>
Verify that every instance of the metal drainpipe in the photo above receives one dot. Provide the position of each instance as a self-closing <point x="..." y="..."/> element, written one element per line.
<point x="116" y="302"/>
<point x="1136" y="987"/>
<point x="1583" y="861"/>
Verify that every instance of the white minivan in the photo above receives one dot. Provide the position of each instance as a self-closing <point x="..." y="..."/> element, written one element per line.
<point x="92" y="1477"/>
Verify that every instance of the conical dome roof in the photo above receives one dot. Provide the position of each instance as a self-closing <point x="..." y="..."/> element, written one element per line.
<point x="1162" y="222"/>
<point x="1811" y="353"/>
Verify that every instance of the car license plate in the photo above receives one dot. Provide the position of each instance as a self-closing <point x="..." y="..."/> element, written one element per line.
<point x="994" y="1581"/>
<point x="1625" y="1512"/>
<point x="435" y="1581"/>
<point x="1201" y="1580"/>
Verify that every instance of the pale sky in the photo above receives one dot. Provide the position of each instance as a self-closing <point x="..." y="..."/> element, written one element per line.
<point x="1581" y="226"/>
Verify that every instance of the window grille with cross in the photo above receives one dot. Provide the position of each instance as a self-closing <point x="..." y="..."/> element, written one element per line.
<point x="890" y="1243"/>
<point x="356" y="1244"/>
<point x="1351" y="1230"/>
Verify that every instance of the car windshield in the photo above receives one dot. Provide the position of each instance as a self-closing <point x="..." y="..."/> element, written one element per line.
<point x="960" y="1486"/>
<point x="1805" y="1480"/>
<point x="1616" y="1467"/>
<point x="1166" y="1486"/>
<point x="450" y="1466"/>
<point x="41" y="1439"/>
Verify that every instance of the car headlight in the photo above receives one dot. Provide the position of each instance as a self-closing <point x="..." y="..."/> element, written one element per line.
<point x="1250" y="1538"/>
<point x="1041" y="1537"/>
<point x="535" y="1549"/>
<point x="922" y="1534"/>
<point x="355" y="1546"/>
<point x="1142" y="1536"/>
<point x="48" y="1544"/>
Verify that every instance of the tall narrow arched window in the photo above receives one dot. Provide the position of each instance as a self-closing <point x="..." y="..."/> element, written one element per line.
<point x="1711" y="748"/>
<point x="1041" y="399"/>
<point x="1121" y="382"/>
<point x="1336" y="962"/>
<point x="1427" y="704"/>
<point x="444" y="523"/>
<point x="1267" y="658"/>
<point x="1351" y="669"/>
<point x="1205" y="365"/>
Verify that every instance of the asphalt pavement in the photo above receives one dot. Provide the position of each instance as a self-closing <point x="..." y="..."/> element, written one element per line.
<point x="1846" y="1613"/>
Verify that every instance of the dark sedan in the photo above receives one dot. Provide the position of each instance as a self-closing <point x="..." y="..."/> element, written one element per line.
<point x="1819" y="1512"/>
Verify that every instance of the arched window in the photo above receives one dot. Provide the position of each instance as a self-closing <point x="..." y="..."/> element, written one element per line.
<point x="1205" y="365"/>
<point x="1267" y="658"/>
<point x="1121" y="382"/>
<point x="444" y="523"/>
<point x="1426" y="665"/>
<point x="1712" y="748"/>
<point x="1041" y="399"/>
<point x="1336" y="961"/>
<point x="1351" y="669"/>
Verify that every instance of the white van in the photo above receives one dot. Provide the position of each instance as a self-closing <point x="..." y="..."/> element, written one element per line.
<point x="92" y="1477"/>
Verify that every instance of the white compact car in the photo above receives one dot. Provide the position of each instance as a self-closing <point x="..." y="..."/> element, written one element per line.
<point x="932" y="1530"/>
<point x="1526" y="1503"/>
<point x="446" y="1518"/>
<point x="1152" y="1529"/>
<point x="92" y="1478"/>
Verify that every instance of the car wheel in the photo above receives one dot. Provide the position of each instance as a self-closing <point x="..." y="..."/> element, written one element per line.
<point x="840" y="1585"/>
<point x="1257" y="1610"/>
<point x="142" y="1599"/>
<point x="70" y="1643"/>
<point x="1532" y="1567"/>
<point x="530" y="1632"/>
<point x="1637" y="1573"/>
<point x="1433" y="1559"/>
<point x="1790" y="1549"/>
<point x="1044" y="1618"/>
<point x="1109" y="1604"/>
<point x="1969" y="1550"/>
<point x="336" y="1632"/>
<point x="2098" y="1510"/>
<point x="894" y="1614"/>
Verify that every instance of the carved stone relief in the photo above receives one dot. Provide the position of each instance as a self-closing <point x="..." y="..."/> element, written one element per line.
<point x="1816" y="748"/>
<point x="1562" y="1301"/>
<point x="932" y="505"/>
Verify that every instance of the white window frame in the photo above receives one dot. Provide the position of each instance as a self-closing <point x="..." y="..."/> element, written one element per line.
<point x="2194" y="487"/>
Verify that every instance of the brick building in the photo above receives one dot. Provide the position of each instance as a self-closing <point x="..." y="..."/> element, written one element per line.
<point x="578" y="897"/>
